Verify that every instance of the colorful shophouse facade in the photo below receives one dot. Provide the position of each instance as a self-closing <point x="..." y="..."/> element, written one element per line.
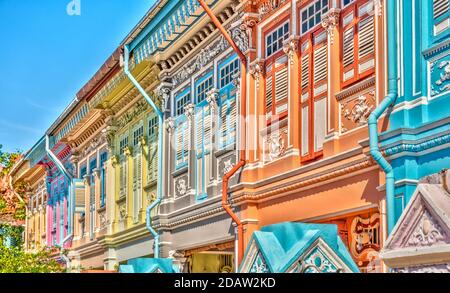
<point x="316" y="70"/>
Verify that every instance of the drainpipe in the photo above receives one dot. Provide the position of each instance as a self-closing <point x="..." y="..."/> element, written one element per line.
<point x="386" y="103"/>
<point x="66" y="173"/>
<point x="242" y="155"/>
<point x="160" y="114"/>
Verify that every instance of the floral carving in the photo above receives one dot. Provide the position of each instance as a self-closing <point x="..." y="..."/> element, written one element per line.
<point x="268" y="6"/>
<point x="227" y="165"/>
<point x="443" y="78"/>
<point x="122" y="211"/>
<point x="330" y="21"/>
<point x="204" y="57"/>
<point x="357" y="111"/>
<point x="276" y="144"/>
<point x="290" y="47"/>
<point x="181" y="186"/>
<point x="427" y="233"/>
<point x="257" y="69"/>
<point x="138" y="109"/>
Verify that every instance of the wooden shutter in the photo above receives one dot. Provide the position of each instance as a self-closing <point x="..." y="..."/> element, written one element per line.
<point x="358" y="41"/>
<point x="441" y="16"/>
<point x="269" y="97"/>
<point x="281" y="90"/>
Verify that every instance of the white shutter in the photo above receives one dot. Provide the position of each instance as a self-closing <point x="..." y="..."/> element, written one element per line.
<point x="223" y="123"/>
<point x="281" y="84"/>
<point x="207" y="125"/>
<point x="199" y="131"/>
<point x="320" y="64"/>
<point x="269" y="97"/>
<point x="320" y="122"/>
<point x="440" y="7"/>
<point x="305" y="131"/>
<point x="179" y="143"/>
<point x="232" y="118"/>
<point x="153" y="161"/>
<point x="366" y="36"/>
<point x="348" y="47"/>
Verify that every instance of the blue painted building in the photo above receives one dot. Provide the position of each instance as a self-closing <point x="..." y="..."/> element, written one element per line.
<point x="417" y="140"/>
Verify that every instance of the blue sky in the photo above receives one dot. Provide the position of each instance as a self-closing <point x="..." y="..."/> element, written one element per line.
<point x="46" y="56"/>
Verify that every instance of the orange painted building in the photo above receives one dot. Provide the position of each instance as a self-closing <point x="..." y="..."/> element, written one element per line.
<point x="316" y="72"/>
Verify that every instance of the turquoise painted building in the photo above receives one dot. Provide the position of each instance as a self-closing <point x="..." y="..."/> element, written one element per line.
<point x="417" y="141"/>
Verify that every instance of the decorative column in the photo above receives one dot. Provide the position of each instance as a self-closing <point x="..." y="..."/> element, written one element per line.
<point x="257" y="70"/>
<point x="330" y="22"/>
<point x="212" y="97"/>
<point x="189" y="111"/>
<point x="290" y="48"/>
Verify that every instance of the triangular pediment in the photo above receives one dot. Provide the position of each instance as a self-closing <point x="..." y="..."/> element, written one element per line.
<point x="424" y="222"/>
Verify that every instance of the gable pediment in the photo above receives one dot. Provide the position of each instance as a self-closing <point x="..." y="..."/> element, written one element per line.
<point x="422" y="234"/>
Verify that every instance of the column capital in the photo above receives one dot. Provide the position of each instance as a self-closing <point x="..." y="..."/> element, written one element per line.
<point x="290" y="47"/>
<point x="330" y="22"/>
<point x="189" y="110"/>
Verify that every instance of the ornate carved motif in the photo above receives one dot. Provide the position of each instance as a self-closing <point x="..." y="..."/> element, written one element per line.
<point x="355" y="112"/>
<point x="441" y="73"/>
<point x="163" y="91"/>
<point x="318" y="262"/>
<point x="259" y="266"/>
<point x="427" y="233"/>
<point x="257" y="69"/>
<point x="227" y="165"/>
<point x="276" y="144"/>
<point x="268" y="6"/>
<point x="240" y="35"/>
<point x="93" y="145"/>
<point x="181" y="186"/>
<point x="170" y="125"/>
<point x="189" y="110"/>
<point x="204" y="57"/>
<point x="330" y="21"/>
<point x="365" y="234"/>
<point x="139" y="108"/>
<point x="212" y="97"/>
<point x="290" y="48"/>
<point x="122" y="211"/>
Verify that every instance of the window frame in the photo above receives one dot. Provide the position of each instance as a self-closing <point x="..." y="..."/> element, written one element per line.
<point x="310" y="37"/>
<point x="357" y="19"/>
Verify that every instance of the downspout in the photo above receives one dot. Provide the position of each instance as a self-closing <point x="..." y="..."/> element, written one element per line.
<point x="71" y="208"/>
<point x="160" y="114"/>
<point x="386" y="103"/>
<point x="242" y="161"/>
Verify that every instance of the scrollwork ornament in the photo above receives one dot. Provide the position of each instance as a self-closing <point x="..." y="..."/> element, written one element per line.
<point x="330" y="21"/>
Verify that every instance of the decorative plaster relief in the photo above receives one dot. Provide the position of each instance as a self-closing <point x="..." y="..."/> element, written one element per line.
<point x="275" y="145"/>
<point x="427" y="233"/>
<point x="318" y="262"/>
<point x="330" y="21"/>
<point x="205" y="56"/>
<point x="139" y="108"/>
<point x="181" y="186"/>
<point x="259" y="266"/>
<point x="440" y="76"/>
<point x="226" y="164"/>
<point x="268" y="6"/>
<point x="355" y="111"/>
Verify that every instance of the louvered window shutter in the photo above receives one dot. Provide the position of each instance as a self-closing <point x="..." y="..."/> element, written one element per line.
<point x="207" y="125"/>
<point x="320" y="69"/>
<point x="269" y="97"/>
<point x="348" y="53"/>
<point x="281" y="90"/>
<point x="199" y="131"/>
<point x="358" y="41"/>
<point x="366" y="44"/>
<point x="180" y="144"/>
<point x="441" y="16"/>
<point x="223" y="124"/>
